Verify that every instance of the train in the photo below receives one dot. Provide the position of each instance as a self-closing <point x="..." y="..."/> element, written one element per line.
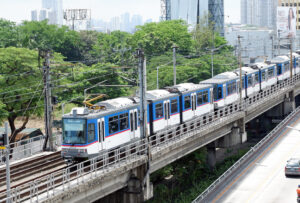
<point x="87" y="133"/>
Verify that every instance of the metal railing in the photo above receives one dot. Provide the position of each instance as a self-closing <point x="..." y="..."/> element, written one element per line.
<point x="244" y="159"/>
<point x="58" y="182"/>
<point x="26" y="148"/>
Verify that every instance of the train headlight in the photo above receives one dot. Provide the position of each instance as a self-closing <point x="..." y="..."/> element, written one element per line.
<point x="80" y="151"/>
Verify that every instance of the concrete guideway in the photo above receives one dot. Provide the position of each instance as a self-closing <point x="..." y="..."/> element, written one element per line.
<point x="262" y="178"/>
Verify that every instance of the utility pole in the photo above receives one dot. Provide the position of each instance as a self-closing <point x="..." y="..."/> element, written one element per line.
<point x="212" y="53"/>
<point x="47" y="103"/>
<point x="143" y="114"/>
<point x="6" y="143"/>
<point x="272" y="38"/>
<point x="291" y="58"/>
<point x="157" y="84"/>
<point x="240" y="67"/>
<point x="174" y="63"/>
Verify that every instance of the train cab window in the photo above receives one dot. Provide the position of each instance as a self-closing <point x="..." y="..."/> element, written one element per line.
<point x="124" y="121"/>
<point x="91" y="132"/>
<point x="199" y="98"/>
<point x="205" y="97"/>
<point x="187" y="102"/>
<point x="159" y="110"/>
<point x="113" y="124"/>
<point x="174" y="106"/>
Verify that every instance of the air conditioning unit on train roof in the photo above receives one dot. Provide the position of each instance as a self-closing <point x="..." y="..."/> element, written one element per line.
<point x="79" y="111"/>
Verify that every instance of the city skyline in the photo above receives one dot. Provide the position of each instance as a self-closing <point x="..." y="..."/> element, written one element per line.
<point x="20" y="10"/>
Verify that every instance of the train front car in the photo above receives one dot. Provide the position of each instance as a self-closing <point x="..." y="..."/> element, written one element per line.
<point x="296" y="60"/>
<point x="88" y="133"/>
<point x="282" y="67"/>
<point x="195" y="99"/>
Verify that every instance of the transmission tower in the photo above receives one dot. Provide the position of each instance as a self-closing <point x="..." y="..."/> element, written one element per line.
<point x="216" y="9"/>
<point x="165" y="10"/>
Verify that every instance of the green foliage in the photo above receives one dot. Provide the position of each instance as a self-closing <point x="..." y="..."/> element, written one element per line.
<point x="8" y="34"/>
<point x="158" y="38"/>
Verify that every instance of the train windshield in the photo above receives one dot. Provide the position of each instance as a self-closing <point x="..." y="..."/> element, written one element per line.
<point x="73" y="131"/>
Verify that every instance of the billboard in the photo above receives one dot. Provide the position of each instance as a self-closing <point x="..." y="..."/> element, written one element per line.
<point x="286" y="22"/>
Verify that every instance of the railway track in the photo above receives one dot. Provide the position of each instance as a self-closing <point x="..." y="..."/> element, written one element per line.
<point x="29" y="170"/>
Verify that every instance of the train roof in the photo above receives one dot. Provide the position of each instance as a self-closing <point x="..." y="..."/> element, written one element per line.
<point x="108" y="107"/>
<point x="245" y="70"/>
<point x="218" y="80"/>
<point x="280" y="59"/>
<point x="158" y="94"/>
<point x="261" y="65"/>
<point x="187" y="87"/>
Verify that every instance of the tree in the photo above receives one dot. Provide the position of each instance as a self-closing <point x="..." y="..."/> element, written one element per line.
<point x="8" y="34"/>
<point x="23" y="86"/>
<point x="158" y="38"/>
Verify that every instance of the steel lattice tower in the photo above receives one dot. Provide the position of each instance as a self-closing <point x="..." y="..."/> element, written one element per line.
<point x="216" y="10"/>
<point x="165" y="9"/>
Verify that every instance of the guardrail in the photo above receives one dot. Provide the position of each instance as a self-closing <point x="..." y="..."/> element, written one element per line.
<point x="26" y="148"/>
<point x="56" y="183"/>
<point x="243" y="159"/>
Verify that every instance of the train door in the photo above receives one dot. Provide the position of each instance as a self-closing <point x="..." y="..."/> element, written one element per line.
<point x="167" y="112"/>
<point x="194" y="103"/>
<point x="133" y="123"/>
<point x="101" y="134"/>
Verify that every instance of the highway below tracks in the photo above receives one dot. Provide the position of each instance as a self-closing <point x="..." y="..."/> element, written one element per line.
<point x="24" y="171"/>
<point x="263" y="178"/>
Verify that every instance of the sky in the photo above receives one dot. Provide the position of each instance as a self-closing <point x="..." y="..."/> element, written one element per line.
<point x="18" y="10"/>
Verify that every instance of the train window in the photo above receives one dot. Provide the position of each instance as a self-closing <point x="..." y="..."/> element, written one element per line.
<point x="263" y="75"/>
<point x="159" y="110"/>
<point x="205" y="96"/>
<point x="270" y="72"/>
<point x="91" y="132"/>
<point x="187" y="102"/>
<point x="174" y="106"/>
<point x="286" y="67"/>
<point x="135" y="119"/>
<point x="123" y="121"/>
<point x="256" y="78"/>
<point x="243" y="83"/>
<point x="200" y="98"/>
<point x="113" y="124"/>
<point x="220" y="93"/>
<point x="250" y="81"/>
<point x="131" y="121"/>
<point x="279" y="70"/>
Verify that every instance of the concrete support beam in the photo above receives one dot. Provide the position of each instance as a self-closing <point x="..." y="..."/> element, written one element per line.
<point x="211" y="155"/>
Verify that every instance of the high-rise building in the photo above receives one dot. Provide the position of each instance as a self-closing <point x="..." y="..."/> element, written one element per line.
<point x="34" y="15"/>
<point x="135" y="21"/>
<point x="295" y="4"/>
<point x="55" y="13"/>
<point x="193" y="10"/>
<point x="125" y="22"/>
<point x="259" y="12"/>
<point x="115" y="23"/>
<point x="43" y="15"/>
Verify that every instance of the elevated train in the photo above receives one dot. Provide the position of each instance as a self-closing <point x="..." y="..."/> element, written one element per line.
<point x="88" y="133"/>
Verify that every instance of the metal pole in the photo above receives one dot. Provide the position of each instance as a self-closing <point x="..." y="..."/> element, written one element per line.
<point x="212" y="55"/>
<point x="174" y="63"/>
<point x="272" y="46"/>
<point x="143" y="114"/>
<point x="240" y="67"/>
<point x="157" y="84"/>
<point x="48" y="103"/>
<point x="291" y="58"/>
<point x="7" y="164"/>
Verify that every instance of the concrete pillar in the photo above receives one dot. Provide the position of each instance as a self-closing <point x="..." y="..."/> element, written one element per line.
<point x="289" y="103"/>
<point x="211" y="155"/>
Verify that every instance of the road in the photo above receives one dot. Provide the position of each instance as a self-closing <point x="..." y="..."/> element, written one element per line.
<point x="263" y="180"/>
